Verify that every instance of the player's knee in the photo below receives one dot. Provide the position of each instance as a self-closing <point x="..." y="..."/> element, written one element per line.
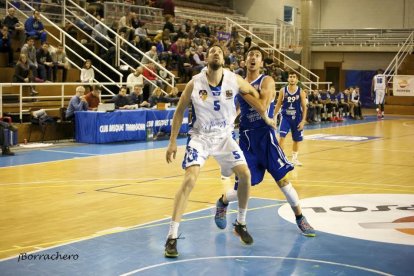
<point x="283" y="182"/>
<point x="243" y="175"/>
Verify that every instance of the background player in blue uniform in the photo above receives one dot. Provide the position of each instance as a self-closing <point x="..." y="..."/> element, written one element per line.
<point x="292" y="100"/>
<point x="260" y="147"/>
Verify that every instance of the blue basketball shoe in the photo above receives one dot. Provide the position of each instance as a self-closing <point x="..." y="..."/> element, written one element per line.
<point x="305" y="227"/>
<point x="221" y="212"/>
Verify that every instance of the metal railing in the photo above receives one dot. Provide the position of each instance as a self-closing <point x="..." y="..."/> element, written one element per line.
<point x="63" y="36"/>
<point x="120" y="53"/>
<point x="405" y="50"/>
<point x="359" y="37"/>
<point x="277" y="54"/>
<point x="60" y="97"/>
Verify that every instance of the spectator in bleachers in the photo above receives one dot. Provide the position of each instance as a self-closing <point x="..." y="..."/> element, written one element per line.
<point x="241" y="69"/>
<point x="30" y="51"/>
<point x="100" y="34"/>
<point x="60" y="62"/>
<point x="34" y="27"/>
<point x="5" y="44"/>
<point x="141" y="31"/>
<point x="204" y="30"/>
<point x="151" y="79"/>
<point x="163" y="51"/>
<point x="137" y="96"/>
<point x="44" y="62"/>
<point x="135" y="22"/>
<point x="181" y="33"/>
<point x="76" y="103"/>
<point x="22" y="73"/>
<point x="139" y="44"/>
<point x="125" y="23"/>
<point x="199" y="60"/>
<point x="16" y="28"/>
<point x="185" y="67"/>
<point x="135" y="78"/>
<point x="152" y="53"/>
<point x="87" y="73"/>
<point x="94" y="98"/>
<point x="22" y="70"/>
<point x="169" y="24"/>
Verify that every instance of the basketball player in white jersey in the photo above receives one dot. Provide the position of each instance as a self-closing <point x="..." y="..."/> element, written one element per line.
<point x="379" y="88"/>
<point x="212" y="94"/>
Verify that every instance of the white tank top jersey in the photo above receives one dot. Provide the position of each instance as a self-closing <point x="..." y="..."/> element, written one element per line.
<point x="379" y="82"/>
<point x="214" y="109"/>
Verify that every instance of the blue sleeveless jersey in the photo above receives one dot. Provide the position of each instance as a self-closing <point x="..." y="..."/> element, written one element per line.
<point x="291" y="106"/>
<point x="249" y="117"/>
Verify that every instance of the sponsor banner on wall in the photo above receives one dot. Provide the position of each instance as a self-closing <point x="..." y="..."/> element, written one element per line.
<point x="403" y="85"/>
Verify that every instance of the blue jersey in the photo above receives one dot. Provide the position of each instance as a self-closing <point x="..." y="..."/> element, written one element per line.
<point x="341" y="97"/>
<point x="291" y="106"/>
<point x="332" y="96"/>
<point x="249" y="117"/>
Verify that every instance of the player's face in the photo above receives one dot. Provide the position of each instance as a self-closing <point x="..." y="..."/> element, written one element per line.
<point x="215" y="58"/>
<point x="293" y="79"/>
<point x="254" y="60"/>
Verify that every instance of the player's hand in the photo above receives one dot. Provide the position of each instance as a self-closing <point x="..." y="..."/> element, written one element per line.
<point x="301" y="125"/>
<point x="270" y="122"/>
<point x="171" y="151"/>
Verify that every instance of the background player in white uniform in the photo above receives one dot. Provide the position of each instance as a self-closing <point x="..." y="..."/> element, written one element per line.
<point x="379" y="86"/>
<point x="212" y="93"/>
<point x="260" y="147"/>
<point x="292" y="100"/>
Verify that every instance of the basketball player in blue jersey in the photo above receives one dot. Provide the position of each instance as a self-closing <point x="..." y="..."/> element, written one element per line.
<point x="260" y="147"/>
<point x="292" y="100"/>
<point x="212" y="94"/>
<point x="378" y="88"/>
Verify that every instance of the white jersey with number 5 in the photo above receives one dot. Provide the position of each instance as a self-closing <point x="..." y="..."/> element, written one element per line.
<point x="214" y="109"/>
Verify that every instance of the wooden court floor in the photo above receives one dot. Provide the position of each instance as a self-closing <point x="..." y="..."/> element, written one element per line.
<point x="52" y="203"/>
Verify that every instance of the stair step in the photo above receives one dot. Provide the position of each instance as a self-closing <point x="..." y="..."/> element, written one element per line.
<point x="10" y="98"/>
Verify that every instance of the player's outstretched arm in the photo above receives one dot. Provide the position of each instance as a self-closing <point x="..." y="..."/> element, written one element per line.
<point x="177" y="121"/>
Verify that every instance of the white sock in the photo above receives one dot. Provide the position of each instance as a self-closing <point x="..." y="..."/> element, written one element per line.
<point x="231" y="195"/>
<point x="241" y="216"/>
<point x="173" y="231"/>
<point x="294" y="155"/>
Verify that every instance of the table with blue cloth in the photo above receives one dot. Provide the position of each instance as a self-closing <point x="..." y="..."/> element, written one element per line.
<point x="124" y="125"/>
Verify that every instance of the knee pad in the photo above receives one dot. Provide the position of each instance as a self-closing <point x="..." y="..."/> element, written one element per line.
<point x="291" y="195"/>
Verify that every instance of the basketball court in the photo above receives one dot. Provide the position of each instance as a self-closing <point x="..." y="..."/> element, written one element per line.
<point x="104" y="209"/>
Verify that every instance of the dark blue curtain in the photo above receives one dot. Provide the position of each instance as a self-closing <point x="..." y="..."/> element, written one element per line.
<point x="362" y="79"/>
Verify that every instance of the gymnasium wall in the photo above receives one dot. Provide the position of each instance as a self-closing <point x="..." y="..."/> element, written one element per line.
<point x="336" y="14"/>
<point x="353" y="61"/>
